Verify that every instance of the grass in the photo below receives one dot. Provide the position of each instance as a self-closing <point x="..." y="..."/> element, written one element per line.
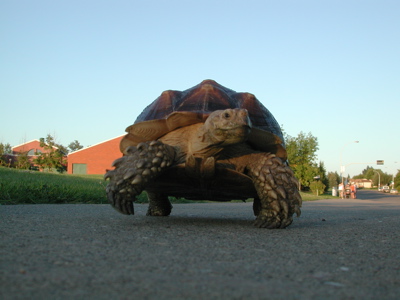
<point x="308" y="196"/>
<point x="30" y="187"/>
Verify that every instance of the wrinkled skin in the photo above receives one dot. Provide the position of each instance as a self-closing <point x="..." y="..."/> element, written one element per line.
<point x="220" y="141"/>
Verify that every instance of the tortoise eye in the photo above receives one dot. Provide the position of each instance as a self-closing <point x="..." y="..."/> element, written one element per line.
<point x="226" y="115"/>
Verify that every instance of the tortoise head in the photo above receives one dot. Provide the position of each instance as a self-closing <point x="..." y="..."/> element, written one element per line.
<point x="227" y="127"/>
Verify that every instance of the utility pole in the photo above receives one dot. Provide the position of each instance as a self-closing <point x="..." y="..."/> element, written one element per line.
<point x="379" y="176"/>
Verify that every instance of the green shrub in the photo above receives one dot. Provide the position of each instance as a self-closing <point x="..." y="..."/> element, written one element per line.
<point x="317" y="187"/>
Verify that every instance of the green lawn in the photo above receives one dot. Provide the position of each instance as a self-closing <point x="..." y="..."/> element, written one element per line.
<point x="31" y="187"/>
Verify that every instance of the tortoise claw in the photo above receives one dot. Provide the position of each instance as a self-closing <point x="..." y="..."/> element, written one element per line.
<point x="121" y="203"/>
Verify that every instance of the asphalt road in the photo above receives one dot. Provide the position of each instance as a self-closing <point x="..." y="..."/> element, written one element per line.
<point x="337" y="249"/>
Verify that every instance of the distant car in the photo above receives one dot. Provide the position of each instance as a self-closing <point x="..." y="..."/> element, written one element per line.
<point x="386" y="189"/>
<point x="380" y="189"/>
<point x="394" y="191"/>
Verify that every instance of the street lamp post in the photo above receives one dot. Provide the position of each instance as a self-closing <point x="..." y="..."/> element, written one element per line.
<point x="342" y="168"/>
<point x="379" y="180"/>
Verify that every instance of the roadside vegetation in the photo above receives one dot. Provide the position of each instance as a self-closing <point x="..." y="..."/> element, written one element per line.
<point x="32" y="187"/>
<point x="314" y="181"/>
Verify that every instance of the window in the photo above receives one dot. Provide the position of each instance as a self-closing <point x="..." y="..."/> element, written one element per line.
<point x="33" y="152"/>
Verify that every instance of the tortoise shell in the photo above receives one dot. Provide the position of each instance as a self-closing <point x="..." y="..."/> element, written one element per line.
<point x="174" y="109"/>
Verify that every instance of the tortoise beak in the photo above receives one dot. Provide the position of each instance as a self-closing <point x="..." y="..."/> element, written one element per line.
<point x="241" y="117"/>
<point x="246" y="120"/>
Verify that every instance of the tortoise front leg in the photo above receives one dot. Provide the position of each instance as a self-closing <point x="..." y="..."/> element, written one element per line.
<point x="133" y="171"/>
<point x="278" y="198"/>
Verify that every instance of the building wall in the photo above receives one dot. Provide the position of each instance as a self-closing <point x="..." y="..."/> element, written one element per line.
<point x="32" y="145"/>
<point x="362" y="183"/>
<point x="98" y="158"/>
<point x="30" y="148"/>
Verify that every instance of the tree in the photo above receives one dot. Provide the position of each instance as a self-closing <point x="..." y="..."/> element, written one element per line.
<point x="384" y="178"/>
<point x="74" y="146"/>
<point x="397" y="180"/>
<point x="23" y="161"/>
<point x="322" y="175"/>
<point x="62" y="149"/>
<point x="52" y="158"/>
<point x="301" y="152"/>
<point x="367" y="173"/>
<point x="317" y="187"/>
<point x="333" y="179"/>
<point x="5" y="149"/>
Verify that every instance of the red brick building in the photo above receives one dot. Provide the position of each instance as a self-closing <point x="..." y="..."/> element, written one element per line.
<point x="95" y="159"/>
<point x="30" y="148"/>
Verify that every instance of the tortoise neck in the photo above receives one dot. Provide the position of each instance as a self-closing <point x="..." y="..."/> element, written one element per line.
<point x="202" y="145"/>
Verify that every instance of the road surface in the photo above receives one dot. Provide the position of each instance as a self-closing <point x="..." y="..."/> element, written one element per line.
<point x="337" y="249"/>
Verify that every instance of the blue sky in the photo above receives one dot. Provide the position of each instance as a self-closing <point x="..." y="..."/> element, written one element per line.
<point x="83" y="70"/>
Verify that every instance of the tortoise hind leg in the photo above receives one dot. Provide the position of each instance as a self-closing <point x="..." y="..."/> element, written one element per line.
<point x="159" y="205"/>
<point x="256" y="206"/>
<point x="133" y="171"/>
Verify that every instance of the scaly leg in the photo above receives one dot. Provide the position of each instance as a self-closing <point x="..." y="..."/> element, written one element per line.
<point x="133" y="171"/>
<point x="278" y="197"/>
<point x="256" y="206"/>
<point x="159" y="205"/>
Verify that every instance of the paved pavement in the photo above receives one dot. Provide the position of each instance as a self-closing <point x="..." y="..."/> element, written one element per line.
<point x="337" y="249"/>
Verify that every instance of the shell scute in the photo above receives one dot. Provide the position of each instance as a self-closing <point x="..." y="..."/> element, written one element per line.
<point x="174" y="109"/>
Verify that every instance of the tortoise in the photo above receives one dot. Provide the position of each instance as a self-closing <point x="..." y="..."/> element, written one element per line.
<point x="206" y="143"/>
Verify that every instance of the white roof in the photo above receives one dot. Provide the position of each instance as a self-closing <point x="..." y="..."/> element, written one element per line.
<point x="96" y="144"/>
<point x="35" y="140"/>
